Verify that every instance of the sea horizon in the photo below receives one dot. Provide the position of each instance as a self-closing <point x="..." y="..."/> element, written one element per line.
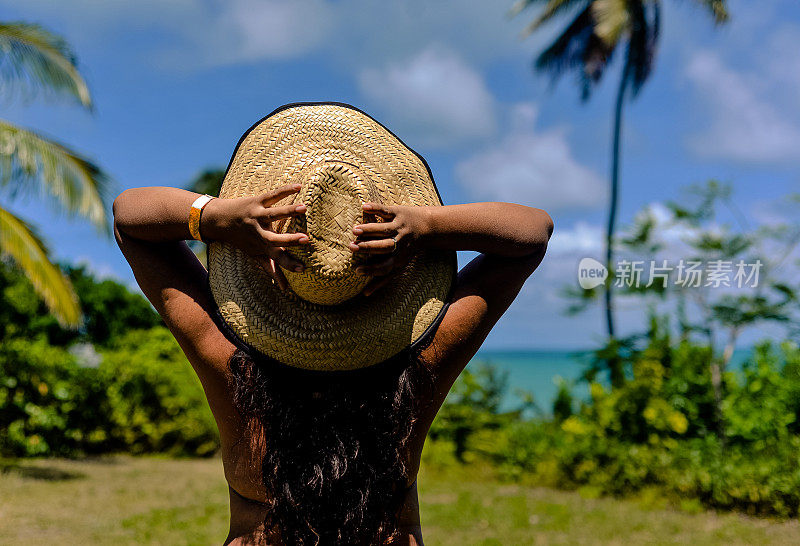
<point x="537" y="372"/>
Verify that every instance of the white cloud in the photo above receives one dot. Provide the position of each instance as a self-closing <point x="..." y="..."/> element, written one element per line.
<point x="747" y="122"/>
<point x="201" y="33"/>
<point x="434" y="97"/>
<point x="566" y="249"/>
<point x="532" y="167"/>
<point x="354" y="32"/>
<point x="243" y="31"/>
<point x="582" y="239"/>
<point x="272" y="29"/>
<point x="671" y="235"/>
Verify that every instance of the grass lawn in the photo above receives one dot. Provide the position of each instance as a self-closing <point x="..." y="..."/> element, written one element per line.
<point x="125" y="500"/>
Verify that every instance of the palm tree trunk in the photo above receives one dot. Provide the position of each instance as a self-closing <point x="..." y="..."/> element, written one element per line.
<point x="612" y="210"/>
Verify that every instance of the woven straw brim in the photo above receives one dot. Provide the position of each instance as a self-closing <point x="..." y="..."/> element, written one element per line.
<point x="295" y="144"/>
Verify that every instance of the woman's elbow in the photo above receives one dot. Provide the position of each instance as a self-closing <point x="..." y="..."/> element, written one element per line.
<point x="121" y="208"/>
<point x="546" y="222"/>
<point x="540" y="229"/>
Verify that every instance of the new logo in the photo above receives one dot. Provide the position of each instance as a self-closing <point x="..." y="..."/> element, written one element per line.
<point x="591" y="273"/>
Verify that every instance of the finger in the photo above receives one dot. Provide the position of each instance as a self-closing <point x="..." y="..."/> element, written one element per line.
<point x="273" y="214"/>
<point x="273" y="271"/>
<point x="286" y="260"/>
<point x="383" y="267"/>
<point x="376" y="246"/>
<point x="280" y="278"/>
<point x="271" y="197"/>
<point x="378" y="209"/>
<point x="376" y="284"/>
<point x="378" y="228"/>
<point x="284" y="239"/>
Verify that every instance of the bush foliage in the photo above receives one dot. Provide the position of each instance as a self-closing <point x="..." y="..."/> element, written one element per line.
<point x="142" y="397"/>
<point x="657" y="430"/>
<point x="658" y="427"/>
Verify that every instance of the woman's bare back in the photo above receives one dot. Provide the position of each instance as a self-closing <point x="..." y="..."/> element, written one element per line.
<point x="150" y="230"/>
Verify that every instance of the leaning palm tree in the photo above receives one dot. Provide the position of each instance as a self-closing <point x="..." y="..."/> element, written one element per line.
<point x="34" y="61"/>
<point x="585" y="47"/>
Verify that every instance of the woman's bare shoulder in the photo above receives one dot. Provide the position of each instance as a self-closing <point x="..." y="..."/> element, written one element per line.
<point x="485" y="288"/>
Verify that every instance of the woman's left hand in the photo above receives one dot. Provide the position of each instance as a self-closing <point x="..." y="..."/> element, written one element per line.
<point x="392" y="241"/>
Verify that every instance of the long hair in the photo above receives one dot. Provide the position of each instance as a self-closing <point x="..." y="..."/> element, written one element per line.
<point x="335" y="448"/>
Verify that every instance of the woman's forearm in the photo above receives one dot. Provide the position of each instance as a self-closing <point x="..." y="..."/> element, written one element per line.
<point x="505" y="229"/>
<point x="162" y="213"/>
<point x="155" y="213"/>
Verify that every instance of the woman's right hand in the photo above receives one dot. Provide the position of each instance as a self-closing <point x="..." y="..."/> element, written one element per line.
<point x="247" y="223"/>
<point x="390" y="243"/>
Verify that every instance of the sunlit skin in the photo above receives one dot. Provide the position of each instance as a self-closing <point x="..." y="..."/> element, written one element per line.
<point x="150" y="225"/>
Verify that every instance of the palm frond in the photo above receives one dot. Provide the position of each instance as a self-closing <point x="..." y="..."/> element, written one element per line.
<point x="577" y="49"/>
<point x="37" y="60"/>
<point x="718" y="9"/>
<point x="552" y="9"/>
<point x="19" y="242"/>
<point x="611" y="19"/>
<point x="520" y="5"/>
<point x="644" y="33"/>
<point x="75" y="182"/>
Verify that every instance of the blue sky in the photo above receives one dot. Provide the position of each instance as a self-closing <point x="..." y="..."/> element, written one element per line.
<point x="176" y="82"/>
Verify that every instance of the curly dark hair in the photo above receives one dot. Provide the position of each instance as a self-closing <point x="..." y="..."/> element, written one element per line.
<point x="335" y="446"/>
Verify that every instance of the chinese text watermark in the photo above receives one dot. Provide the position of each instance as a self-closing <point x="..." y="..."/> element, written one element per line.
<point x="681" y="273"/>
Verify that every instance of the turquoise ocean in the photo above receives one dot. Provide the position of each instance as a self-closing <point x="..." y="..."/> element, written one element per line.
<point x="537" y="372"/>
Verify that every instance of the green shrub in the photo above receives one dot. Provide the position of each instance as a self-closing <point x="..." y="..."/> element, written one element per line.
<point x="758" y="481"/>
<point x="654" y="431"/>
<point x="109" y="308"/>
<point x="472" y="408"/>
<point x="155" y="401"/>
<point x="48" y="405"/>
<point x="144" y="397"/>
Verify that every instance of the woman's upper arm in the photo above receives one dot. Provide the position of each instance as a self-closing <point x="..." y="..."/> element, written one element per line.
<point x="485" y="288"/>
<point x="174" y="281"/>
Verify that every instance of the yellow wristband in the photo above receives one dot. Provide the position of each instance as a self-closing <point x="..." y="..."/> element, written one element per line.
<point x="194" y="215"/>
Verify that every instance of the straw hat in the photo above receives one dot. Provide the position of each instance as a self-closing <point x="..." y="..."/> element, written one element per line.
<point x="342" y="158"/>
